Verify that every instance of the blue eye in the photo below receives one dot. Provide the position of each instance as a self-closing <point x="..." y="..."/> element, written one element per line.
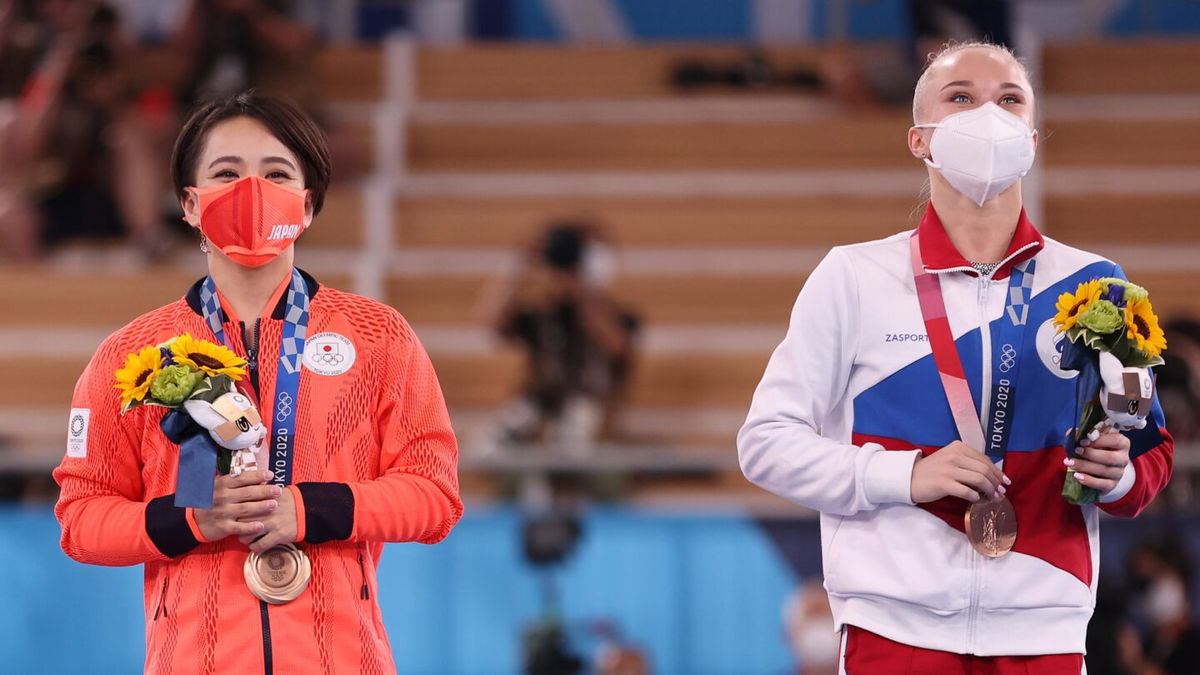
<point x="961" y="98"/>
<point x="1010" y="99"/>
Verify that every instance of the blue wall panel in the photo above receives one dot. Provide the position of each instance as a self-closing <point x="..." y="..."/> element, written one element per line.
<point x="699" y="594"/>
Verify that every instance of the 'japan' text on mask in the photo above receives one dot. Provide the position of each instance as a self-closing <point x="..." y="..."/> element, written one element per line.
<point x="981" y="152"/>
<point x="251" y="220"/>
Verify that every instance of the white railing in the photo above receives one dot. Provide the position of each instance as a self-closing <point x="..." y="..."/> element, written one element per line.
<point x="379" y="190"/>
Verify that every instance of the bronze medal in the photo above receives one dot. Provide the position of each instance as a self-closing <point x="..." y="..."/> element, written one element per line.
<point x="278" y="575"/>
<point x="991" y="526"/>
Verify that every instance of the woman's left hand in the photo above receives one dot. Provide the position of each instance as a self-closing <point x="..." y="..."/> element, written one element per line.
<point x="1102" y="463"/>
<point x="279" y="526"/>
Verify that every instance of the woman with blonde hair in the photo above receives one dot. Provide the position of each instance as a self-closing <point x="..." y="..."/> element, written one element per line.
<point x="947" y="545"/>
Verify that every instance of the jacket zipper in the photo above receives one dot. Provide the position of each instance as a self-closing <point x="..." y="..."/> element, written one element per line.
<point x="362" y="568"/>
<point x="985" y="397"/>
<point x="985" y="336"/>
<point x="250" y="338"/>
<point x="250" y="341"/>
<point x="268" y="657"/>
<point x="162" y="598"/>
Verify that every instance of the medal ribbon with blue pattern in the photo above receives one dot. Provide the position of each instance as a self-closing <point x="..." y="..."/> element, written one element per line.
<point x="287" y="384"/>
<point x="1007" y="343"/>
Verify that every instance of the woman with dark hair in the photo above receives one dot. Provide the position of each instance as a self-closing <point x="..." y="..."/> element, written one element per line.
<point x="232" y="45"/>
<point x="360" y="447"/>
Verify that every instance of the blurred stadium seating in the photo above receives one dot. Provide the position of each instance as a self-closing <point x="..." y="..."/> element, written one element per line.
<point x="721" y="204"/>
<point x="722" y="199"/>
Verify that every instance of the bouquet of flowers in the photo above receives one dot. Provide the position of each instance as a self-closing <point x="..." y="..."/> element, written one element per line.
<point x="1112" y="339"/>
<point x="195" y="380"/>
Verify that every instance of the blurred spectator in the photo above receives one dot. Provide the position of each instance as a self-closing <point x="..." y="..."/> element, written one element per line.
<point x="271" y="45"/>
<point x="233" y="45"/>
<point x="75" y="160"/>
<point x="616" y="656"/>
<point x="1161" y="576"/>
<point x="22" y="40"/>
<point x="1178" y="383"/>
<point x="933" y="22"/>
<point x="808" y="623"/>
<point x="1112" y="642"/>
<point x="578" y="342"/>
<point x="545" y="649"/>
<point x="1178" y="380"/>
<point x="859" y="77"/>
<point x="865" y="78"/>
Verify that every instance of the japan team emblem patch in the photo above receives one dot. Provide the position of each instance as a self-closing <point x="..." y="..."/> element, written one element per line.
<point x="77" y="432"/>
<point x="329" y="354"/>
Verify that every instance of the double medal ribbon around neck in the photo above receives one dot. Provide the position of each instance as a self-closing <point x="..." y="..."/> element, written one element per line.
<point x="281" y="573"/>
<point x="991" y="525"/>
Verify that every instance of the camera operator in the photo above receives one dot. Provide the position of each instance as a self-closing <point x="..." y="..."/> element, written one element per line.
<point x="578" y="342"/>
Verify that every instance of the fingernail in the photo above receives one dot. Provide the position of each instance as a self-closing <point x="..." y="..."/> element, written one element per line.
<point x="276" y="491"/>
<point x="1007" y="480"/>
<point x="1079" y="477"/>
<point x="272" y="504"/>
<point x="995" y="495"/>
<point x="268" y="475"/>
<point x="1002" y="490"/>
<point x="1069" y="462"/>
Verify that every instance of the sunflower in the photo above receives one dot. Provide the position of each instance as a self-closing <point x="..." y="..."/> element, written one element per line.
<point x="139" y="372"/>
<point x="1144" y="331"/>
<point x="213" y="359"/>
<point x="1071" y="306"/>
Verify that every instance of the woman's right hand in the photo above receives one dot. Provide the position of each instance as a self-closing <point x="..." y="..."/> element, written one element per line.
<point x="246" y="496"/>
<point x="957" y="470"/>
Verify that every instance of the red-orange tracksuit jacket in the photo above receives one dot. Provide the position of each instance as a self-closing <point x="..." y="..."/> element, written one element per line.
<point x="374" y="461"/>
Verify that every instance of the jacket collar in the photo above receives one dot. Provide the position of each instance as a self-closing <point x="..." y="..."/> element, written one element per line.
<point x="193" y="297"/>
<point x="939" y="255"/>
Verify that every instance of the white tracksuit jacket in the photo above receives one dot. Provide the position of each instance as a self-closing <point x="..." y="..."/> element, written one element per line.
<point x="852" y="395"/>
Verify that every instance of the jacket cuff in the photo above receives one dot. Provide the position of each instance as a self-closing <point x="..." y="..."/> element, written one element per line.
<point x="888" y="476"/>
<point x="194" y="526"/>
<point x="328" y="511"/>
<point x="301" y="521"/>
<point x="1122" y="487"/>
<point x="168" y="528"/>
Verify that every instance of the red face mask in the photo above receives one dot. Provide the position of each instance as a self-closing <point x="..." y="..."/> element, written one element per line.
<point x="251" y="220"/>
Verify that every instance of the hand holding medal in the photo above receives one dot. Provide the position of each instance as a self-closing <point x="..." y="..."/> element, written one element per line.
<point x="277" y="570"/>
<point x="959" y="470"/>
<point x="219" y="430"/>
<point x="990" y="521"/>
<point x="274" y="573"/>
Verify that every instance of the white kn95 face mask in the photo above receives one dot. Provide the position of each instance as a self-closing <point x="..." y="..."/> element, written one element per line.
<point x="981" y="152"/>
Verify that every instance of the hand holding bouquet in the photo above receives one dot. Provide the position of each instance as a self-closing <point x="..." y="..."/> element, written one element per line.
<point x="1112" y="340"/>
<point x="195" y="379"/>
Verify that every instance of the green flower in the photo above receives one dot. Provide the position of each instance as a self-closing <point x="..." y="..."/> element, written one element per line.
<point x="1133" y="292"/>
<point x="175" y="383"/>
<point x="1102" y="317"/>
